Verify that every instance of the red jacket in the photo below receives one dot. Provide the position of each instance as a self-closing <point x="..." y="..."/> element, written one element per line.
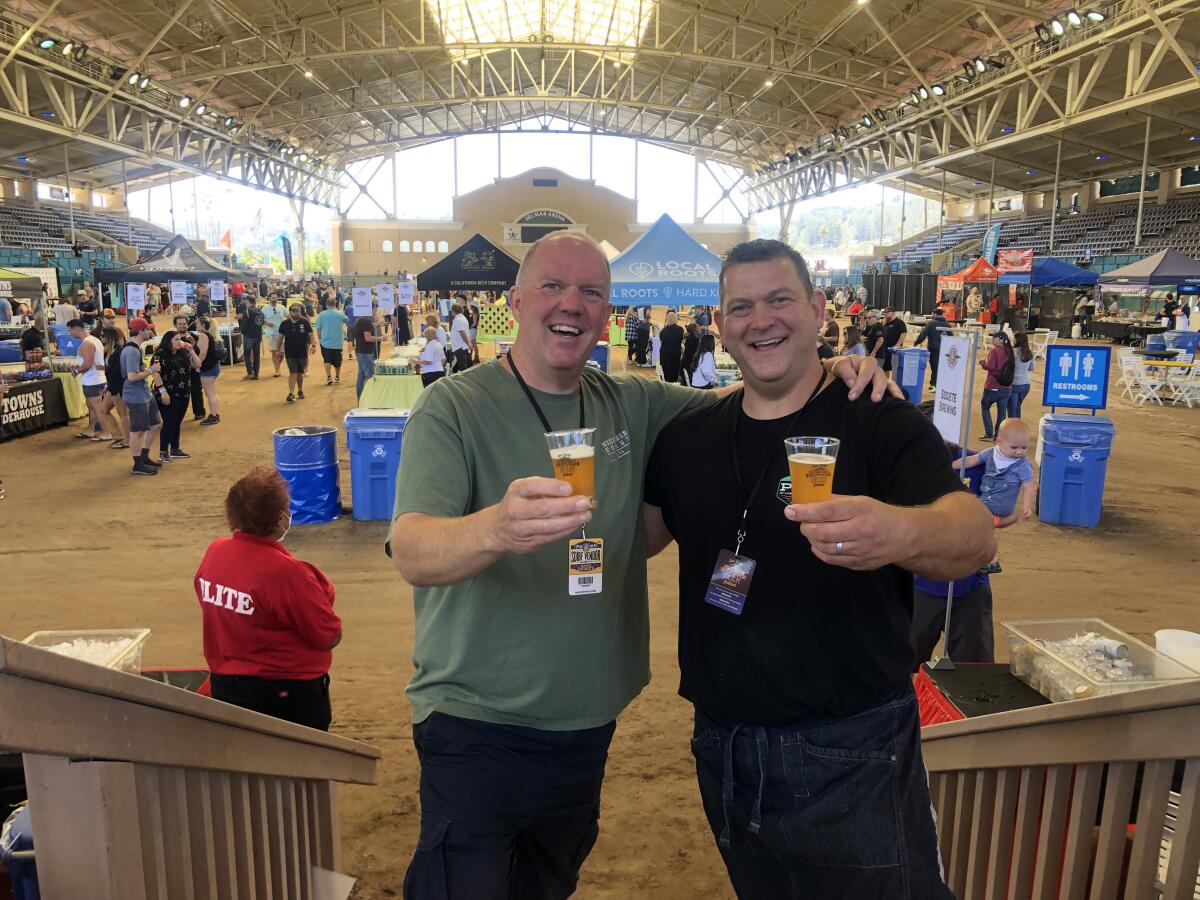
<point x="265" y="613"/>
<point x="994" y="363"/>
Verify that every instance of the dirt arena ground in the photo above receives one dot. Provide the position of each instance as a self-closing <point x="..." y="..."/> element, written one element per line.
<point x="89" y="546"/>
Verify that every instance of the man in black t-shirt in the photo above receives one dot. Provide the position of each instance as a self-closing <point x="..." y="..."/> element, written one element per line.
<point x="34" y="337"/>
<point x="365" y="349"/>
<point x="250" y="324"/>
<point x="299" y="342"/>
<point x="873" y="338"/>
<point x="794" y="619"/>
<point x="894" y="331"/>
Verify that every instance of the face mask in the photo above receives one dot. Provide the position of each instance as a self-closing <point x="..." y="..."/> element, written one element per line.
<point x="286" y="530"/>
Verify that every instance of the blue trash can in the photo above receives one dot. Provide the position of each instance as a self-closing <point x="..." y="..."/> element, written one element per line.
<point x="306" y="457"/>
<point x="598" y="358"/>
<point x="374" y="437"/>
<point x="1187" y="341"/>
<point x="16" y="840"/>
<point x="1074" y="462"/>
<point x="908" y="367"/>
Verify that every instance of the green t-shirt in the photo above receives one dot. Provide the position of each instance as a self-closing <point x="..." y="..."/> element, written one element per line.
<point x="511" y="645"/>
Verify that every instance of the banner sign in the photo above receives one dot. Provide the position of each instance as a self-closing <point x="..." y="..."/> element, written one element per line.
<point x="31" y="406"/>
<point x="1012" y="260"/>
<point x="360" y="299"/>
<point x="178" y="293"/>
<point x="1076" y="377"/>
<point x="991" y="242"/>
<point x="406" y="292"/>
<point x="216" y="293"/>
<point x="951" y="400"/>
<point x="287" y="252"/>
<point x="135" y="296"/>
<point x="386" y="295"/>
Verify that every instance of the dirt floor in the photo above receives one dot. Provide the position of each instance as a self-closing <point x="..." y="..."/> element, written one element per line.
<point x="89" y="546"/>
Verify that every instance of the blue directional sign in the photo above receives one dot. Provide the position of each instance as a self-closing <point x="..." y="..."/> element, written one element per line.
<point x="1076" y="376"/>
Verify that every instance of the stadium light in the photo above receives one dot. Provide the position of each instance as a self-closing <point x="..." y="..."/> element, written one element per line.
<point x="969" y="72"/>
<point x="768" y="83"/>
<point x="915" y="97"/>
<point x="47" y="43"/>
<point x="185" y="101"/>
<point x="67" y="48"/>
<point x="1094" y="15"/>
<point x="132" y="80"/>
<point x="867" y="121"/>
<point x="1031" y="172"/>
<point x="201" y="109"/>
<point x="143" y="82"/>
<point x="1074" y="19"/>
<point x="308" y="73"/>
<point x="1057" y="28"/>
<point x="1102" y="157"/>
<point x="979" y="65"/>
<point x="939" y="90"/>
<point x="922" y="93"/>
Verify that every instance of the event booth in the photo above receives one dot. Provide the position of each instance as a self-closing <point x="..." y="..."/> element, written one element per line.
<point x="1052" y="286"/>
<point x="666" y="266"/>
<point x="19" y="286"/>
<point x="1160" y="273"/>
<point x="477" y="265"/>
<point x="979" y="272"/>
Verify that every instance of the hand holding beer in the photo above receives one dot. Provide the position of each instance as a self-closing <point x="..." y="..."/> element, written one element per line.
<point x="536" y="511"/>
<point x="573" y="455"/>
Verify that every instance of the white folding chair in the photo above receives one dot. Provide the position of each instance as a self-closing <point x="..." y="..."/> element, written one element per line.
<point x="1051" y="338"/>
<point x="1147" y="385"/>
<point x="1187" y="387"/>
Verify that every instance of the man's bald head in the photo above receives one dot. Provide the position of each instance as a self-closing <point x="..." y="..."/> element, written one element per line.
<point x="585" y="242"/>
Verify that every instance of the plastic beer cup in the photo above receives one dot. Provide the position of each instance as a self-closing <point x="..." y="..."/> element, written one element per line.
<point x="573" y="455"/>
<point x="811" y="461"/>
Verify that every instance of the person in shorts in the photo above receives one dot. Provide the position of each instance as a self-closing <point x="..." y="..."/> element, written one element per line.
<point x="298" y="339"/>
<point x="144" y="419"/>
<point x="331" y="332"/>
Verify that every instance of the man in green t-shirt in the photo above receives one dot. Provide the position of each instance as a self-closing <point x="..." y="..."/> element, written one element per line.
<point x="521" y="671"/>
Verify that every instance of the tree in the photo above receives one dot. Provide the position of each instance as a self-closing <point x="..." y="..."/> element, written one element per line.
<point x="318" y="260"/>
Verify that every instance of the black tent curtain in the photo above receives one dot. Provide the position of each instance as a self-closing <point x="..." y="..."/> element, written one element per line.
<point x="916" y="294"/>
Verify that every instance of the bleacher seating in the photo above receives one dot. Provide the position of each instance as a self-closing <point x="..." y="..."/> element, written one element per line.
<point x="46" y="229"/>
<point x="1106" y="230"/>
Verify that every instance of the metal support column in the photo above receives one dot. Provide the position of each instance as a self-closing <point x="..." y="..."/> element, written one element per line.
<point x="1137" y="240"/>
<point x="882" y="200"/>
<point x="695" y="189"/>
<point x="991" y="192"/>
<point x="942" y="212"/>
<point x="636" y="144"/>
<point x="196" y="210"/>
<point x="70" y="204"/>
<point x="455" y="146"/>
<point x="903" y="212"/>
<point x="171" y="200"/>
<point x="1054" y="196"/>
<point x="125" y="187"/>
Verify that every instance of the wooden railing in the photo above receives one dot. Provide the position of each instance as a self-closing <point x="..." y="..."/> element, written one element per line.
<point x="1095" y="799"/>
<point x="142" y="791"/>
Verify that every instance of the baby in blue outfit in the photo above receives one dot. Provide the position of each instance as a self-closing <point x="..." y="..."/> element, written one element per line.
<point x="1007" y="477"/>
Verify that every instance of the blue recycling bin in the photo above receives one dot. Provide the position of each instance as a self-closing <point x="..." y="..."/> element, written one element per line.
<point x="908" y="367"/>
<point x="1156" y="341"/>
<point x="1074" y="463"/>
<point x="374" y="437"/>
<point x="306" y="457"/>
<point x="1187" y="341"/>
<point x="598" y="358"/>
<point x="16" y="837"/>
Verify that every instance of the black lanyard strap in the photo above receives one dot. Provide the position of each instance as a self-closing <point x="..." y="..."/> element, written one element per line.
<point x="737" y="465"/>
<point x="512" y="364"/>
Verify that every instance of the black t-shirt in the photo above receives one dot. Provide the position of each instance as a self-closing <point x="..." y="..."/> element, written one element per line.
<point x="874" y="333"/>
<point x="203" y="307"/>
<point x="296" y="336"/>
<point x="893" y="330"/>
<point x="32" y="339"/>
<point x="363" y="326"/>
<point x="813" y="640"/>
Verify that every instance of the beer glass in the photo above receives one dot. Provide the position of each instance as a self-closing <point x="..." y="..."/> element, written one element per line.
<point x="573" y="455"/>
<point x="811" y="461"/>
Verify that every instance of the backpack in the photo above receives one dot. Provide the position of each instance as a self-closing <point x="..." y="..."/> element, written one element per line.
<point x="1008" y="370"/>
<point x="219" y="350"/>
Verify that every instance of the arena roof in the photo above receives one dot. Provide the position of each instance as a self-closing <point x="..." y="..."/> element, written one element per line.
<point x="297" y="87"/>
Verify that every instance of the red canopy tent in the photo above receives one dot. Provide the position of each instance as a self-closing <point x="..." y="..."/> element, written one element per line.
<point x="979" y="272"/>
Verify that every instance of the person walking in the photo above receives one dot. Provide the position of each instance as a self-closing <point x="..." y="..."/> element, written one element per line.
<point x="211" y="350"/>
<point x="691" y="345"/>
<point x="331" y="332"/>
<point x="704" y="368"/>
<point x="273" y="315"/>
<point x="894" y="332"/>
<point x="111" y="401"/>
<point x="671" y="348"/>
<point x="251" y="322"/>
<point x="91" y="379"/>
<point x="932" y="333"/>
<point x="299" y="342"/>
<point x="631" y="333"/>
<point x="269" y="629"/>
<point x="176" y="360"/>
<point x="144" y="420"/>
<point x="1023" y="364"/>
<point x="366" y="344"/>
<point x="1000" y="367"/>
<point x="875" y="340"/>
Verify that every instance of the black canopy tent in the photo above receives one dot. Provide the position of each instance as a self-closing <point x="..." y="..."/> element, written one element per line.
<point x="478" y="265"/>
<point x="19" y="286"/>
<point x="177" y="261"/>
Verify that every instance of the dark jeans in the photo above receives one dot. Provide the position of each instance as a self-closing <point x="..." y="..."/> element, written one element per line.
<point x="197" y="396"/>
<point x="462" y="360"/>
<point x="1015" y="399"/>
<point x="251" y="354"/>
<point x="303" y="702"/>
<point x="506" y="812"/>
<point x="971" y="637"/>
<point x="826" y="810"/>
<point x="428" y="378"/>
<point x="173" y="414"/>
<point x="935" y="356"/>
<point x="1000" y="399"/>
<point x="366" y="370"/>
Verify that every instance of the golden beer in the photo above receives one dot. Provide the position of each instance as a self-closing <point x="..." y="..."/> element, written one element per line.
<point x="812" y="477"/>
<point x="576" y="465"/>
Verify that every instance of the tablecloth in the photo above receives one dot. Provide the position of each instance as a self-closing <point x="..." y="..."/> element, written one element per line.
<point x="73" y="395"/>
<point x="390" y="392"/>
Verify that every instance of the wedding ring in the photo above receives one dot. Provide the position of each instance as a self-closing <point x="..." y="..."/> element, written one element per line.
<point x="837" y="548"/>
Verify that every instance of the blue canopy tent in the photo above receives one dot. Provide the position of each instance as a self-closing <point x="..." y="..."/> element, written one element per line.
<point x="666" y="266"/>
<point x="1050" y="272"/>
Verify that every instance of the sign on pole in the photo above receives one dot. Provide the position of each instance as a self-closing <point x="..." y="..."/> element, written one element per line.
<point x="951" y="399"/>
<point x="360" y="300"/>
<point x="1076" y="377"/>
<point x="216" y="292"/>
<point x="178" y="293"/>
<point x="135" y="296"/>
<point x="386" y="295"/>
<point x="406" y="292"/>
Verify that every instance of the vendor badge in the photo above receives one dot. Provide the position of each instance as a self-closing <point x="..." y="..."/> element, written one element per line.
<point x="585" y="566"/>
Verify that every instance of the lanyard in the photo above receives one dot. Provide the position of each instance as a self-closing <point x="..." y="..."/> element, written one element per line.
<point x="512" y="364"/>
<point x="737" y="466"/>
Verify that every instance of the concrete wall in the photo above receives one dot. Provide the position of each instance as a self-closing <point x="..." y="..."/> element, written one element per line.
<point x="601" y="213"/>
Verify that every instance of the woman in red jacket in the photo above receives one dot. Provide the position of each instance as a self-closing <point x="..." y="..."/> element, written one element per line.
<point x="994" y="389"/>
<point x="269" y="625"/>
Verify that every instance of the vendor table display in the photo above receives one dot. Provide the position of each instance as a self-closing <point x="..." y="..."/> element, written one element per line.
<point x="30" y="406"/>
<point x="1123" y="330"/>
<point x="391" y="392"/>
